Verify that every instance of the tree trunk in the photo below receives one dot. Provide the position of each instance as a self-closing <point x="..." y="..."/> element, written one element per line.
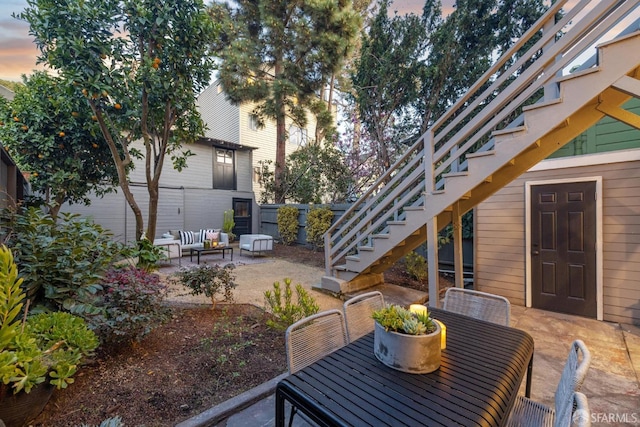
<point x="122" y="175"/>
<point x="281" y="139"/>
<point x="152" y="220"/>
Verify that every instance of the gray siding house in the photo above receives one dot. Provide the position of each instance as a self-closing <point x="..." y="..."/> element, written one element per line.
<point x="591" y="184"/>
<point x="222" y="175"/>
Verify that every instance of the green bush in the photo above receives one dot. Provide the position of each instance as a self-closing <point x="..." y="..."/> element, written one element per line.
<point x="133" y="304"/>
<point x="288" y="224"/>
<point x="147" y="254"/>
<point x="284" y="309"/>
<point x="416" y="266"/>
<point x="318" y="222"/>
<point x="62" y="263"/>
<point x="209" y="280"/>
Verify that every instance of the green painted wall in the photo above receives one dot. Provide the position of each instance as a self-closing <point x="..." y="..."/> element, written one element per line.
<point x="607" y="135"/>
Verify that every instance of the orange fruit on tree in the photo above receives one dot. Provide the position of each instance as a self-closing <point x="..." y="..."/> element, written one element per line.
<point x="25" y="127"/>
<point x="117" y="106"/>
<point x="35" y="174"/>
<point x="75" y="113"/>
<point x="85" y="92"/>
<point x="16" y="119"/>
<point x="94" y="118"/>
<point x="61" y="134"/>
<point x="94" y="145"/>
<point x="40" y="156"/>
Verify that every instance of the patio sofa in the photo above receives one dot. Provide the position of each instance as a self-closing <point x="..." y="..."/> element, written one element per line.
<point x="191" y="239"/>
<point x="256" y="243"/>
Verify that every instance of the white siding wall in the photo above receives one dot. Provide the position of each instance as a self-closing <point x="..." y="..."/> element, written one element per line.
<point x="500" y="234"/>
<point x="220" y="116"/>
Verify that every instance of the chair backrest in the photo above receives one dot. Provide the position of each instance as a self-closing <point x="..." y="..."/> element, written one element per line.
<point x="481" y="305"/>
<point x="573" y="374"/>
<point x="358" y="311"/>
<point x="313" y="337"/>
<point x="581" y="416"/>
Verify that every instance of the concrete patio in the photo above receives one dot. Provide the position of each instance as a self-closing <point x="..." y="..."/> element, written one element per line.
<point x="612" y="384"/>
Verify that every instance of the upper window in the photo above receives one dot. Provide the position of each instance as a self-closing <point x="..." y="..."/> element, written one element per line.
<point x="297" y="136"/>
<point x="253" y="121"/>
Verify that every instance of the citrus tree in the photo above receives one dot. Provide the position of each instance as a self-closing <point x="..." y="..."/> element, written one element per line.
<point x="139" y="65"/>
<point x="50" y="133"/>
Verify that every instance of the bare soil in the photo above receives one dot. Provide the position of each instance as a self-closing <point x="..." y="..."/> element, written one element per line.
<point x="199" y="358"/>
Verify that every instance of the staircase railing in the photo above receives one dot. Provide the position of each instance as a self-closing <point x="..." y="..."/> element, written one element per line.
<point x="515" y="80"/>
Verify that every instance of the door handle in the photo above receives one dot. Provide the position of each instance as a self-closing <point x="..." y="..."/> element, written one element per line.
<point x="535" y="253"/>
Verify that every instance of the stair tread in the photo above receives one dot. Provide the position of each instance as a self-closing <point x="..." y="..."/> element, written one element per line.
<point x="509" y="131"/>
<point x="480" y="154"/>
<point x="455" y="174"/>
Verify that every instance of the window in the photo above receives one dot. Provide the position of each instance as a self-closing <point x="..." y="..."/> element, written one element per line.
<point x="253" y="121"/>
<point x="223" y="170"/>
<point x="257" y="173"/>
<point x="297" y="136"/>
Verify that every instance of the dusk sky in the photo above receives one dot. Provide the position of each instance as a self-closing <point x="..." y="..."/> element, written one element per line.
<point x="18" y="52"/>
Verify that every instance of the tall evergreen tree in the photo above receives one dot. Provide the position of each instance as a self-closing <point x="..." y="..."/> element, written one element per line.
<point x="279" y="55"/>
<point x="408" y="76"/>
<point x="387" y="79"/>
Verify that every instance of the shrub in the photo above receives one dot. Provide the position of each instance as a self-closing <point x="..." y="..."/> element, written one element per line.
<point x="416" y="266"/>
<point x="318" y="222"/>
<point x="146" y="253"/>
<point x="132" y="303"/>
<point x="209" y="280"/>
<point x="62" y="263"/>
<point x="288" y="224"/>
<point x="284" y="309"/>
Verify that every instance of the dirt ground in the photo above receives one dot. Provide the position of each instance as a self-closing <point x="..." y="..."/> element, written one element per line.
<point x="197" y="359"/>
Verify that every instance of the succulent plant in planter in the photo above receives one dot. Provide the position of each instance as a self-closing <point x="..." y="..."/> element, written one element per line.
<point x="399" y="319"/>
<point x="406" y="341"/>
<point x="41" y="351"/>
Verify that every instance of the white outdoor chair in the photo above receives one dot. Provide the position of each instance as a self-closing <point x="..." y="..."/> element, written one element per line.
<point x="358" y="311"/>
<point x="480" y="305"/>
<point x="310" y="339"/>
<point x="527" y="412"/>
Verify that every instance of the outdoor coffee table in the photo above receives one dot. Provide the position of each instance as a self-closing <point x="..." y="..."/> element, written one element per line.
<point x="202" y="250"/>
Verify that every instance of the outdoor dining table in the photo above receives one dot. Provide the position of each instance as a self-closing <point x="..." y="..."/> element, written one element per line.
<point x="480" y="374"/>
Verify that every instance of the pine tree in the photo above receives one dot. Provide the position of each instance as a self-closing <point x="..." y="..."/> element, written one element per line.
<point x="280" y="54"/>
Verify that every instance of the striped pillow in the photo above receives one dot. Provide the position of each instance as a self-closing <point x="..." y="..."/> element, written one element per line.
<point x="203" y="234"/>
<point x="186" y="237"/>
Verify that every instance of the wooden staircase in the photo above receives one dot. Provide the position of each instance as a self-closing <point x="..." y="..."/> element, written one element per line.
<point x="467" y="155"/>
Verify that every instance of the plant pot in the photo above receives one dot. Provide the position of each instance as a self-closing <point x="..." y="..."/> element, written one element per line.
<point x="415" y="354"/>
<point x="17" y="409"/>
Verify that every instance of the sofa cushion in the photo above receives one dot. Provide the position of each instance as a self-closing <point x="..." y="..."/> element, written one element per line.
<point x="186" y="237"/>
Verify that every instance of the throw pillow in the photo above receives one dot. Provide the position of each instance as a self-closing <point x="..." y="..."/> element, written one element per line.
<point x="203" y="234"/>
<point x="213" y="236"/>
<point x="186" y="237"/>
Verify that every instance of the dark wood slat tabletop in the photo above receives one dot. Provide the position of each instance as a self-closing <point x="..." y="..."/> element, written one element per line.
<point x="476" y="385"/>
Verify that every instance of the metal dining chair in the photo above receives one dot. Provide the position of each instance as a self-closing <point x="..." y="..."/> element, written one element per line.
<point x="357" y="313"/>
<point x="480" y="305"/>
<point x="310" y="339"/>
<point x="527" y="412"/>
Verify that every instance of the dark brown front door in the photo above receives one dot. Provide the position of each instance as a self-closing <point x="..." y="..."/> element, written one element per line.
<point x="563" y="248"/>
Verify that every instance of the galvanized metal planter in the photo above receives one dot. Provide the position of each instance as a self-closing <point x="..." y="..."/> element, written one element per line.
<point x="415" y="354"/>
